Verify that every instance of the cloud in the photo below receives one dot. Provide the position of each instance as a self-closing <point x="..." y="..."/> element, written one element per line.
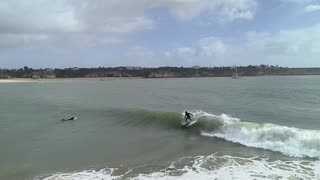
<point x="9" y="40"/>
<point x="223" y="9"/>
<point x="139" y="51"/>
<point x="304" y="40"/>
<point x="211" y="46"/>
<point x="206" y="51"/>
<point x="184" y="52"/>
<point x="37" y="16"/>
<point x="239" y="10"/>
<point x="295" y="47"/>
<point x="298" y="1"/>
<point x="108" y="19"/>
<point x="308" y="5"/>
<point x="312" y="8"/>
<point x="206" y="47"/>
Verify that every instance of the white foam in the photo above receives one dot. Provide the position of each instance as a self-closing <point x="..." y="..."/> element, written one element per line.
<point x="287" y="140"/>
<point x="83" y="175"/>
<point x="224" y="118"/>
<point x="241" y="168"/>
<point x="212" y="167"/>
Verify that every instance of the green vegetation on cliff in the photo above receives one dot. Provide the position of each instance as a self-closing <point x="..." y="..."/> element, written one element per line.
<point x="161" y="72"/>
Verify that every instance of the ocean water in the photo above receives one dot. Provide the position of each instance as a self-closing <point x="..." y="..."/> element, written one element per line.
<point x="248" y="128"/>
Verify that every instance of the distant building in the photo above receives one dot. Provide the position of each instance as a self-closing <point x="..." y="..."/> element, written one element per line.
<point x="49" y="69"/>
<point x="5" y="76"/>
<point x="133" y="68"/>
<point x="35" y="76"/>
<point x="75" y="68"/>
<point x="43" y="74"/>
<point x="121" y="68"/>
<point x="211" y="67"/>
<point x="51" y="76"/>
<point x="195" y="67"/>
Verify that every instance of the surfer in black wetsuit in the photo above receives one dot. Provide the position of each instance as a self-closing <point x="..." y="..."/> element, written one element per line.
<point x="70" y="119"/>
<point x="187" y="116"/>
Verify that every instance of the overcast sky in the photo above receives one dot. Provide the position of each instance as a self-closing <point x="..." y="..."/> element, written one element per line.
<point x="91" y="33"/>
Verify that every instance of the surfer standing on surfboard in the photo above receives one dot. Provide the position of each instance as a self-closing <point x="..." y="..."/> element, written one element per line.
<point x="187" y="116"/>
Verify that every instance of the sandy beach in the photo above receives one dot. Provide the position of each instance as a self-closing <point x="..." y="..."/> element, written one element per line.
<point x="18" y="80"/>
<point x="29" y="80"/>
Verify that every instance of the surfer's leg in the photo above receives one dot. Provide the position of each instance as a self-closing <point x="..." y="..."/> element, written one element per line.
<point x="187" y="118"/>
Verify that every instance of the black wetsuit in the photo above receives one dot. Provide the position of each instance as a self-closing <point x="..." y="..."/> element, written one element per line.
<point x="187" y="116"/>
<point x="70" y="119"/>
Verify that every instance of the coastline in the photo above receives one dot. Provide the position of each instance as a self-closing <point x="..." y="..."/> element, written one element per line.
<point x="16" y="80"/>
<point x="29" y="80"/>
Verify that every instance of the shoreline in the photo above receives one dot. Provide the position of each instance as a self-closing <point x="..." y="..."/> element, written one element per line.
<point x="29" y="80"/>
<point x="16" y="80"/>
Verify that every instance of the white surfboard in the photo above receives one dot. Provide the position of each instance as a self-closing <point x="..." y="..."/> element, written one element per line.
<point x="188" y="124"/>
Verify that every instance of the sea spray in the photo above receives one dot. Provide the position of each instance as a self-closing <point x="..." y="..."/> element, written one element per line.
<point x="207" y="167"/>
<point x="290" y="141"/>
<point x="287" y="140"/>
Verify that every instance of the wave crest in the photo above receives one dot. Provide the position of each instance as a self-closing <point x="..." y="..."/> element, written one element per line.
<point x="287" y="140"/>
<point x="207" y="167"/>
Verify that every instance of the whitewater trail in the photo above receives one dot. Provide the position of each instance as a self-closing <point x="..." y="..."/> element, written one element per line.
<point x="198" y="114"/>
<point x="207" y="167"/>
<point x="290" y="141"/>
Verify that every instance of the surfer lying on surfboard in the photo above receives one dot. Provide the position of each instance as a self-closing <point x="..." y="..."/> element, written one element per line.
<point x="70" y="119"/>
<point x="187" y="116"/>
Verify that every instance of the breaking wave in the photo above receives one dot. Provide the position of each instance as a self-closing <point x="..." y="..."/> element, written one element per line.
<point x="206" y="167"/>
<point x="287" y="140"/>
<point x="290" y="141"/>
